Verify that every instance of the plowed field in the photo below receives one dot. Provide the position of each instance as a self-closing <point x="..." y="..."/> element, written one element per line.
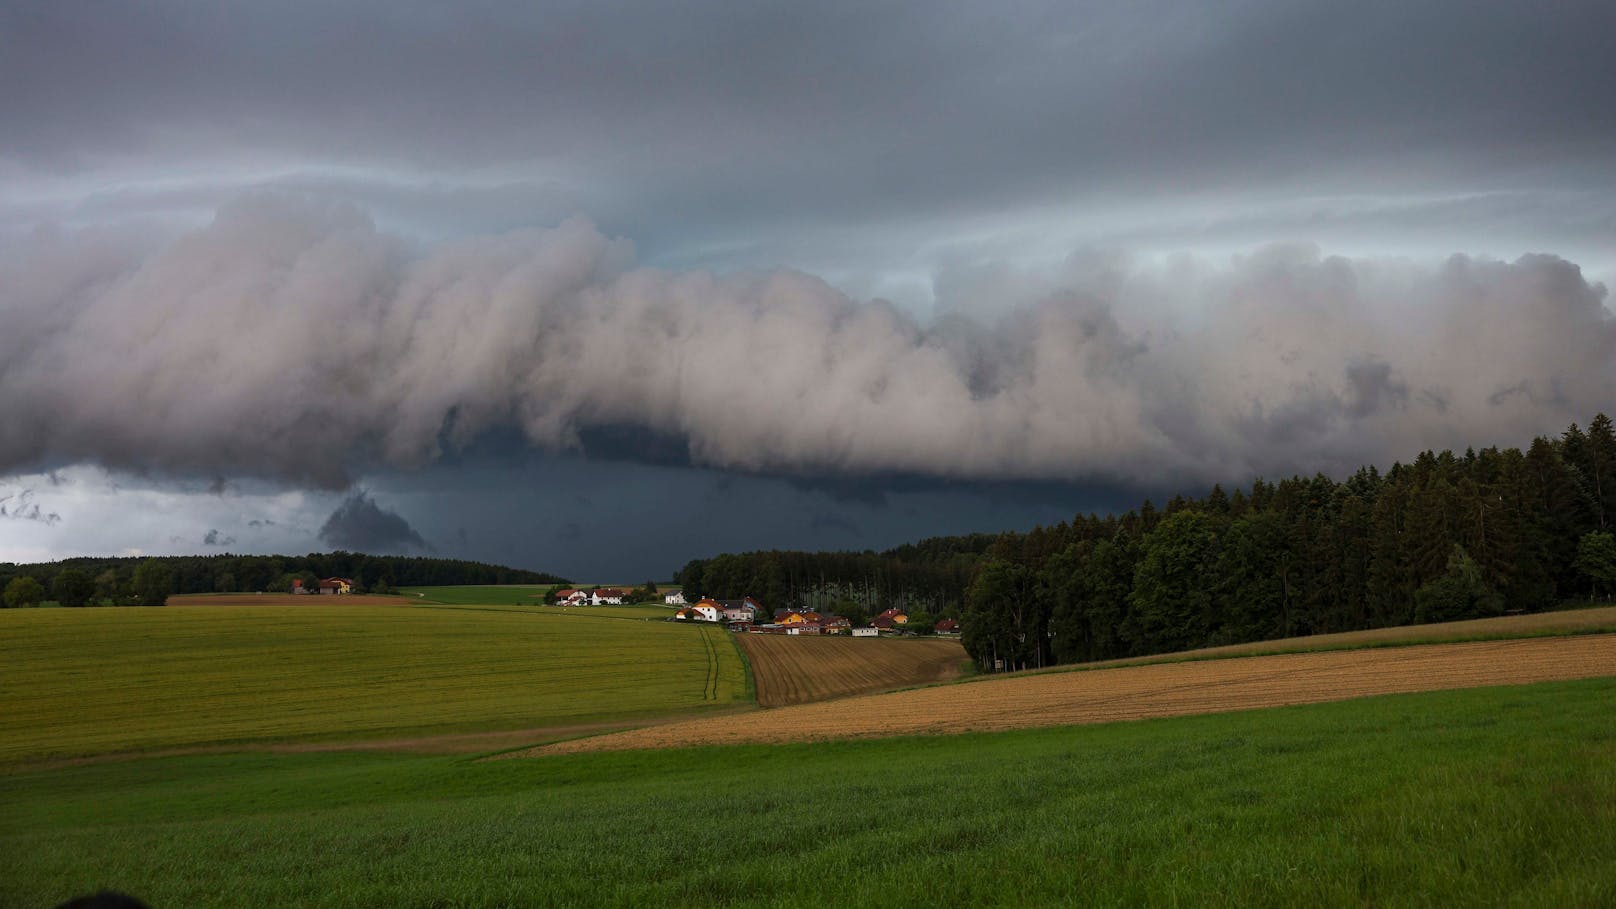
<point x="798" y="670"/>
<point x="1135" y="692"/>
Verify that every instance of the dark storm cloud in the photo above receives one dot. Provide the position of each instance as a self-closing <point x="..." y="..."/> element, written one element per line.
<point x="704" y="123"/>
<point x="359" y="524"/>
<point x="296" y="341"/>
<point x="946" y="156"/>
<point x="215" y="538"/>
<point x="831" y="521"/>
<point x="20" y="506"/>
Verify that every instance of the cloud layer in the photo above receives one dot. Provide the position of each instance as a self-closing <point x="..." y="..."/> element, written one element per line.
<point x="293" y="340"/>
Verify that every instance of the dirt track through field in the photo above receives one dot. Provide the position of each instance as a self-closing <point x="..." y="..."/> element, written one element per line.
<point x="801" y="669"/>
<point x="1136" y="692"/>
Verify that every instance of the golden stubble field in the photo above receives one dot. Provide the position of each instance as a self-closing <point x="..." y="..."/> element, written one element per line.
<point x="1136" y="692"/>
<point x="800" y="669"/>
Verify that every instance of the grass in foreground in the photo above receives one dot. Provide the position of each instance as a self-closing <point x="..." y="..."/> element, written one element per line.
<point x="1479" y="797"/>
<point x="84" y="681"/>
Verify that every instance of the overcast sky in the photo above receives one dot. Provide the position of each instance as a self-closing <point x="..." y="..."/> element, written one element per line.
<point x="597" y="288"/>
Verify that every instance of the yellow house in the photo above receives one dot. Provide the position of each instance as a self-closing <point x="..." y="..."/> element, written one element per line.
<point x="336" y="586"/>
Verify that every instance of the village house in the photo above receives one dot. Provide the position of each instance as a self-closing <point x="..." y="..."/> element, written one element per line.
<point x="866" y="632"/>
<point x="674" y="598"/>
<point x="570" y="597"/>
<point x="607" y="596"/>
<point x="891" y="618"/>
<point x="947" y="626"/>
<point x="336" y="586"/>
<point x="746" y="610"/>
<point x="835" y="624"/>
<point x="702" y="611"/>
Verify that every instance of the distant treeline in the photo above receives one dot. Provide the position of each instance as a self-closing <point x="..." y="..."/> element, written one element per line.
<point x="1446" y="537"/>
<point x="927" y="577"/>
<point x="146" y="579"/>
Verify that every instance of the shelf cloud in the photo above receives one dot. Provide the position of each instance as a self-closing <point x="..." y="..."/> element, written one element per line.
<point x="293" y="339"/>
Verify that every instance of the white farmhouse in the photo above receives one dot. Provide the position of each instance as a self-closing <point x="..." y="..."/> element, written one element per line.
<point x="674" y="598"/>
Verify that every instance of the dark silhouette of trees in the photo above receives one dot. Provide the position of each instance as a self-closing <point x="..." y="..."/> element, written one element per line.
<point x="123" y="581"/>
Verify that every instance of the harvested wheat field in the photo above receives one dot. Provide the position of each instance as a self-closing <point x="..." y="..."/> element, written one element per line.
<point x="797" y="670"/>
<point x="285" y="599"/>
<point x="1137" y="692"/>
<point x="1568" y="621"/>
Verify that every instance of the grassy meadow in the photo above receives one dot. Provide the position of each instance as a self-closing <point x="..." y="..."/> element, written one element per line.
<point x="480" y="595"/>
<point x="493" y="595"/>
<point x="86" y="681"/>
<point x="1500" y="796"/>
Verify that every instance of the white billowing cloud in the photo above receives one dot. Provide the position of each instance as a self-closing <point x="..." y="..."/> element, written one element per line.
<point x="296" y="341"/>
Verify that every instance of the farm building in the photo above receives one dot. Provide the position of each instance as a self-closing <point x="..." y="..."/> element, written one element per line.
<point x="570" y="597"/>
<point x="336" y="586"/>
<point x="674" y="598"/>
<point x="835" y="624"/>
<point x="866" y="632"/>
<point x="947" y="626"/>
<point x="607" y="596"/>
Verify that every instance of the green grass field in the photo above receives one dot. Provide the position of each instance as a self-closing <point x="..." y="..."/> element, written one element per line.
<point x="480" y="595"/>
<point x="1503" y="796"/>
<point x="489" y="595"/>
<point x="646" y="612"/>
<point x="85" y="681"/>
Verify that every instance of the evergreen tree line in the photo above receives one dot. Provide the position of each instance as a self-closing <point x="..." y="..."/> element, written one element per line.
<point x="1445" y="537"/>
<point x="928" y="577"/>
<point x="148" y="580"/>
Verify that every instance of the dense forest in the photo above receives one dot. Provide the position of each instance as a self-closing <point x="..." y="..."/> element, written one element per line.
<point x="1445" y="537"/>
<point x="117" y="581"/>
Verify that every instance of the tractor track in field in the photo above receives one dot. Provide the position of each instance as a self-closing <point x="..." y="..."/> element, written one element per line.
<point x="710" y="690"/>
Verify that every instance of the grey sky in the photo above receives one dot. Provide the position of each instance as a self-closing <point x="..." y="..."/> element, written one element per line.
<point x="1151" y="244"/>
